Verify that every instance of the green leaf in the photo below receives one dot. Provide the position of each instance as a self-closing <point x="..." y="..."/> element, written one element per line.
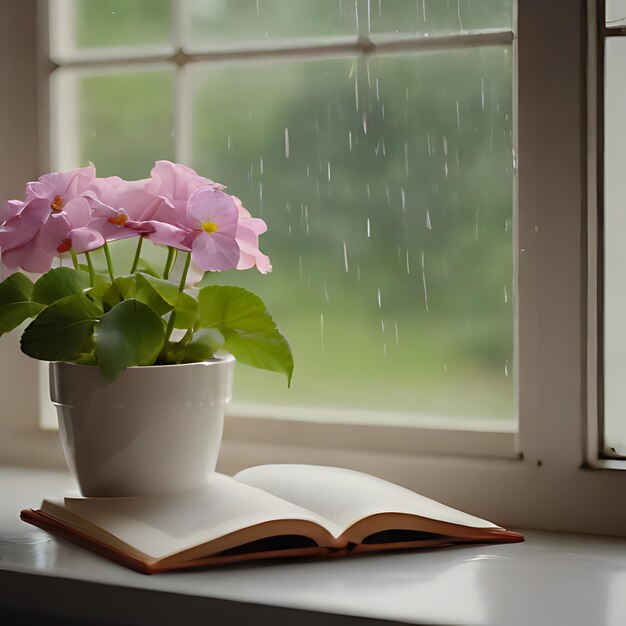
<point x="15" y="288"/>
<point x="147" y="268"/>
<point x="12" y="315"/>
<point x="58" y="283"/>
<point x="205" y="343"/>
<point x="131" y="333"/>
<point x="185" y="306"/>
<point x="99" y="290"/>
<point x="250" y="333"/>
<point x="15" y="304"/>
<point x="61" y="330"/>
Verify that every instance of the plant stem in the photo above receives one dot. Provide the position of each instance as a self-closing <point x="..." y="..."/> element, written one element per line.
<point x="92" y="272"/>
<point x="183" y="278"/>
<point x="181" y="287"/>
<point x="171" y="255"/>
<point x="74" y="260"/>
<point x="137" y="255"/>
<point x="107" y="254"/>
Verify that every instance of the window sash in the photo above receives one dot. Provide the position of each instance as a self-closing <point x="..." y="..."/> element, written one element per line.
<point x="597" y="32"/>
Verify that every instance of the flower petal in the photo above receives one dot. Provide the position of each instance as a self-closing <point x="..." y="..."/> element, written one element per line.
<point x="215" y="252"/>
<point x="207" y="204"/>
<point x="86" y="239"/>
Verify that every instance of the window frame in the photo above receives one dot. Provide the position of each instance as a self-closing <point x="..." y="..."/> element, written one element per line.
<point x="543" y="476"/>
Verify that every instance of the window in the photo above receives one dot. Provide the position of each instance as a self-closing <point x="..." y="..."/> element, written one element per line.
<point x="541" y="474"/>
<point x="383" y="166"/>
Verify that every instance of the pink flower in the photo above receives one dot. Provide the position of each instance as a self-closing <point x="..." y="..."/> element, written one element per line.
<point x="175" y="183"/>
<point x="53" y="219"/>
<point x="248" y="230"/>
<point x="61" y="232"/>
<point x="124" y="213"/>
<point x="211" y="217"/>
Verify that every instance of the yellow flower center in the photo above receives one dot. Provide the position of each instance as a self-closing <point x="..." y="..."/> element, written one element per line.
<point x="209" y="227"/>
<point x="118" y="220"/>
<point x="57" y="203"/>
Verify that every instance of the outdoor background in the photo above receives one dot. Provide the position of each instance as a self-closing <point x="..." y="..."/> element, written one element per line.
<point x="386" y="184"/>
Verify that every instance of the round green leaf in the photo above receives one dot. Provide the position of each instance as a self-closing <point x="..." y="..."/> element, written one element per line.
<point x="58" y="283"/>
<point x="15" y="304"/>
<point x="249" y="331"/>
<point x="168" y="292"/>
<point x="12" y="315"/>
<point x="131" y="333"/>
<point x="15" y="288"/>
<point x="205" y="343"/>
<point x="61" y="330"/>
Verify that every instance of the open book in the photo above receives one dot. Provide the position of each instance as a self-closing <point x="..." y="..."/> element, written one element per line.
<point x="262" y="512"/>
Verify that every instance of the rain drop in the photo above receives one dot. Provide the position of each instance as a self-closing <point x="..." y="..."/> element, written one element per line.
<point x="406" y="158"/>
<point x="345" y="256"/>
<point x="286" y="143"/>
<point x="424" y="282"/>
<point x="369" y="232"/>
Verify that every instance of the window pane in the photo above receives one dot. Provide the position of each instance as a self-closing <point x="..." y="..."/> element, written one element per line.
<point x="435" y="17"/>
<point x="122" y="122"/>
<point x="388" y="194"/>
<point x="217" y="23"/>
<point x="125" y="121"/>
<point x="81" y="26"/>
<point x="614" y="249"/>
<point x="615" y="13"/>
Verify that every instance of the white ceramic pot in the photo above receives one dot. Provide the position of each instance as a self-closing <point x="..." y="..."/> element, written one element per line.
<point x="155" y="429"/>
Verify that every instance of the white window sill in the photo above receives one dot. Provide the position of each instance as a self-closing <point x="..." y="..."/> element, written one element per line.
<point x="553" y="578"/>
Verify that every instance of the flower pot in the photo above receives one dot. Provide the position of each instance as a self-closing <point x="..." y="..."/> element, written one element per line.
<point x="155" y="429"/>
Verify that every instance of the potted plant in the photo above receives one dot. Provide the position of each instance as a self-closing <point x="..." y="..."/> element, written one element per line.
<point x="140" y="362"/>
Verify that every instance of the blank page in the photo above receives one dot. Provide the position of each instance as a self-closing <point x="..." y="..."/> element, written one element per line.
<point x="346" y="497"/>
<point x="166" y="524"/>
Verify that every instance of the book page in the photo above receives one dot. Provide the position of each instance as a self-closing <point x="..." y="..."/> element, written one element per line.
<point x="346" y="497"/>
<point x="162" y="525"/>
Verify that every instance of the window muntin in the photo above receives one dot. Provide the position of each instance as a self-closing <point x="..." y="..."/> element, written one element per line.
<point x="396" y="292"/>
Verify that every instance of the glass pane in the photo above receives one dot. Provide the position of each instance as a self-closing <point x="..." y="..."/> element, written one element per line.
<point x="122" y="122"/>
<point x="125" y="121"/>
<point x="218" y="23"/>
<point x="388" y="194"/>
<point x="84" y="25"/>
<point x="614" y="249"/>
<point x="435" y="17"/>
<point x="615" y="13"/>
